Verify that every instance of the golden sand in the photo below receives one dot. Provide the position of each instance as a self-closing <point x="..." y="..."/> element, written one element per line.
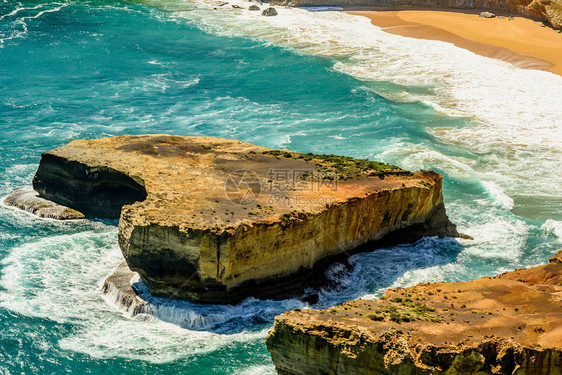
<point x="519" y="41"/>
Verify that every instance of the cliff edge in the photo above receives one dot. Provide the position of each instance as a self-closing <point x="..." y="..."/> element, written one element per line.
<point x="509" y="324"/>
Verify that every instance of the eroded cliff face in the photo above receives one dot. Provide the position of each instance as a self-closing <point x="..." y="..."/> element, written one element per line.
<point x="543" y="10"/>
<point x="94" y="189"/>
<point x="253" y="258"/>
<point x="511" y="324"/>
<point x="203" y="218"/>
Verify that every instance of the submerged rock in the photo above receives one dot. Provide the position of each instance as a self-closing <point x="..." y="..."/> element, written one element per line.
<point x="216" y="220"/>
<point x="29" y="200"/>
<point x="269" y="12"/>
<point x="510" y="324"/>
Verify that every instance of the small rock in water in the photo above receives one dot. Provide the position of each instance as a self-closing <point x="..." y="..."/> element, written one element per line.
<point x="486" y="15"/>
<point x="236" y="6"/>
<point x="29" y="200"/>
<point x="269" y="12"/>
<point x="254" y="7"/>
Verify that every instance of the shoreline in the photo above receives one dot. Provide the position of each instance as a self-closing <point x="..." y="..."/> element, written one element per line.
<point x="520" y="41"/>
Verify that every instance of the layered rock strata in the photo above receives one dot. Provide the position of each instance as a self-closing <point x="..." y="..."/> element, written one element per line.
<point x="510" y="324"/>
<point x="216" y="220"/>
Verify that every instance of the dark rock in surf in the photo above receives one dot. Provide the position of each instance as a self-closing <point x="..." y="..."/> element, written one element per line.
<point x="269" y="12"/>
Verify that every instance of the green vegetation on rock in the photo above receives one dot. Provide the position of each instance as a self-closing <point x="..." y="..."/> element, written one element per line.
<point x="332" y="166"/>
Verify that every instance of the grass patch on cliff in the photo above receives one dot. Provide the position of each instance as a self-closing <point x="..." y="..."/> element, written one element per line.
<point x="332" y="166"/>
<point x="292" y="217"/>
<point x="407" y="312"/>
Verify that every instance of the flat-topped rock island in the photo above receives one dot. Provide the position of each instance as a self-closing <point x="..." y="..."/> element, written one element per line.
<point x="217" y="220"/>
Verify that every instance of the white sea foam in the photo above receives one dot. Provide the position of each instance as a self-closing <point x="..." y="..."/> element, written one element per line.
<point x="259" y="370"/>
<point x="157" y="341"/>
<point x="19" y="9"/>
<point x="19" y="25"/>
<point x="498" y="194"/>
<point x="60" y="277"/>
<point x="211" y="317"/>
<point x="57" y="269"/>
<point x="421" y="157"/>
<point x="553" y="227"/>
<point x="39" y="14"/>
<point x="496" y="241"/>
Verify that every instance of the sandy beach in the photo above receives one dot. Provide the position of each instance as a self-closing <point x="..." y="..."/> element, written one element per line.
<point x="519" y="41"/>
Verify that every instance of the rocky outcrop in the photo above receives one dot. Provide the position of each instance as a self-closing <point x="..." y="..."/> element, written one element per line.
<point x="269" y="12"/>
<point x="486" y="15"/>
<point x="118" y="290"/>
<point x="29" y="200"/>
<point x="542" y="10"/>
<point x="217" y="220"/>
<point x="510" y="324"/>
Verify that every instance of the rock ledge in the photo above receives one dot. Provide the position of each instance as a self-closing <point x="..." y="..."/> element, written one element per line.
<point x="28" y="200"/>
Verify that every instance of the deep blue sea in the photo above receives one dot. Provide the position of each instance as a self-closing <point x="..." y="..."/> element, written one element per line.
<point x="322" y="82"/>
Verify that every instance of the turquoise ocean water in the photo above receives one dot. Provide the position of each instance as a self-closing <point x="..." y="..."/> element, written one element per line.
<point x="309" y="82"/>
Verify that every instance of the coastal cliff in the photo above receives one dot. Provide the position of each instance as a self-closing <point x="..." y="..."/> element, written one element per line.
<point x="216" y="220"/>
<point x="510" y="324"/>
<point x="541" y="10"/>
